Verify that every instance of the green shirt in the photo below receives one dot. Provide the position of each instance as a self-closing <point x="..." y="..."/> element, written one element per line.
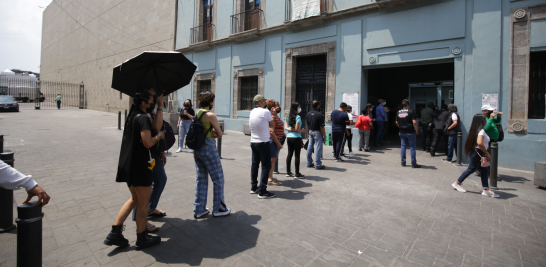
<point x="490" y="127"/>
<point x="207" y="125"/>
<point x="58" y="98"/>
<point x="427" y="115"/>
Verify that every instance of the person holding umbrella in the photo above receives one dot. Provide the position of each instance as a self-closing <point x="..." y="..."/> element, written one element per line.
<point x="135" y="168"/>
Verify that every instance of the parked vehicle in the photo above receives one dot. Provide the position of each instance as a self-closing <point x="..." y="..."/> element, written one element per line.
<point x="9" y="103"/>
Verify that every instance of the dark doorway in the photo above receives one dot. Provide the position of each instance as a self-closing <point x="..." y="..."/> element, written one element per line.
<point x="249" y="88"/>
<point x="310" y="83"/>
<point x="537" y="85"/>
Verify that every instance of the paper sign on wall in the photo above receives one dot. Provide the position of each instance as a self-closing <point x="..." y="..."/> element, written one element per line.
<point x="352" y="100"/>
<point x="302" y="9"/>
<point x="491" y="99"/>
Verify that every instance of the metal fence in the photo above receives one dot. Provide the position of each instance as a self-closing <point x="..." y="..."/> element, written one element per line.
<point x="246" y="21"/>
<point x="36" y="94"/>
<point x="202" y="33"/>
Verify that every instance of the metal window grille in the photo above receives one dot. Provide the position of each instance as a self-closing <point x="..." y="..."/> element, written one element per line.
<point x="249" y="89"/>
<point x="202" y="33"/>
<point x="246" y="21"/>
<point x="537" y="86"/>
<point x="204" y="86"/>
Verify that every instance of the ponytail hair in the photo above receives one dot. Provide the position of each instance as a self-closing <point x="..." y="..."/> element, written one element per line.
<point x="137" y="101"/>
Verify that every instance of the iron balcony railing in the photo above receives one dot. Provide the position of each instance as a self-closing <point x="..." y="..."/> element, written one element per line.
<point x="288" y="8"/>
<point x="245" y="21"/>
<point x="202" y="33"/>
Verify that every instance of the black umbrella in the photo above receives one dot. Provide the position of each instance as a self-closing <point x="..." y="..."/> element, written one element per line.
<point x="165" y="71"/>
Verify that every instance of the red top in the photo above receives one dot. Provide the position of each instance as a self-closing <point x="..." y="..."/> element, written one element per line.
<point x="364" y="122"/>
<point x="279" y="127"/>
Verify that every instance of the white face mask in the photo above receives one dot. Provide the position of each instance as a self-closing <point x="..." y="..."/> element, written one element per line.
<point x="384" y="103"/>
<point x="299" y="110"/>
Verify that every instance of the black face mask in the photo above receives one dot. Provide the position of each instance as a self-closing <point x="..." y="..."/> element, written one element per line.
<point x="186" y="105"/>
<point x="210" y="107"/>
<point x="278" y="110"/>
<point x="151" y="108"/>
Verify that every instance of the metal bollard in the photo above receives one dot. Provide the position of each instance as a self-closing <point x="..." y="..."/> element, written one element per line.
<point x="276" y="168"/>
<point x="29" y="234"/>
<point x="6" y="200"/>
<point x="494" y="164"/>
<point x="119" y="120"/>
<point x="2" y="143"/>
<point x="459" y="149"/>
<point x="219" y="141"/>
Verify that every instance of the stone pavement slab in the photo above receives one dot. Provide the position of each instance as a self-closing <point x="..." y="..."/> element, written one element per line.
<point x="394" y="216"/>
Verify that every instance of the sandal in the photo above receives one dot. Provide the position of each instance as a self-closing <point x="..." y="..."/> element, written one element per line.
<point x="149" y="228"/>
<point x="160" y="214"/>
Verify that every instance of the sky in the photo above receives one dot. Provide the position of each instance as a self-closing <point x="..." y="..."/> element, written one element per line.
<point x="20" y="34"/>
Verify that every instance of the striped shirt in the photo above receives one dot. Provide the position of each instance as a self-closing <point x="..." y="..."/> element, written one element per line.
<point x="279" y="127"/>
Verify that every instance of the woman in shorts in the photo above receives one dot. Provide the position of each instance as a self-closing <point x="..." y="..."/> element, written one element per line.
<point x="275" y="108"/>
<point x="135" y="168"/>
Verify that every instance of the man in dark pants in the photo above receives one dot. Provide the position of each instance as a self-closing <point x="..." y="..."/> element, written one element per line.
<point x="262" y="128"/>
<point x="405" y="120"/>
<point x="427" y="124"/>
<point x="454" y="126"/>
<point x="58" y="100"/>
<point x="439" y="127"/>
<point x="340" y="120"/>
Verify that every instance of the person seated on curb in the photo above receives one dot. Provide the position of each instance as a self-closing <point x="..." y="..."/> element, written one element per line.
<point x="10" y="179"/>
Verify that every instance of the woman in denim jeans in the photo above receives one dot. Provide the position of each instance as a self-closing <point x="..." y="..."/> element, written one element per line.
<point x="475" y="147"/>
<point x="207" y="161"/>
<point x="184" y="122"/>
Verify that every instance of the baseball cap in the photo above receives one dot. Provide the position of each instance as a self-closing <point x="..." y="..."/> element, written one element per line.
<point x="259" y="98"/>
<point x="381" y="100"/>
<point x="487" y="107"/>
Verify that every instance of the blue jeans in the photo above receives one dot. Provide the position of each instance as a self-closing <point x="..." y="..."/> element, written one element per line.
<point x="411" y="140"/>
<point x="473" y="165"/>
<point x="315" y="138"/>
<point x="261" y="153"/>
<point x="451" y="144"/>
<point x="159" y="178"/>
<point x="182" y="131"/>
<point x="207" y="162"/>
<point x="380" y="131"/>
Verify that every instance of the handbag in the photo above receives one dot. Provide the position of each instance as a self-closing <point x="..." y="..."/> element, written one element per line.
<point x="485" y="161"/>
<point x="306" y="145"/>
<point x="281" y="140"/>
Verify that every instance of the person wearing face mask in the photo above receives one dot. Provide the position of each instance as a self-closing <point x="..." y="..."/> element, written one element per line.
<point x="135" y="168"/>
<point x="184" y="123"/>
<point x="292" y="124"/>
<point x="380" y="122"/>
<point x="275" y="108"/>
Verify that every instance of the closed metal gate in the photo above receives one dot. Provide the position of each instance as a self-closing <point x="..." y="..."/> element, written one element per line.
<point x="310" y="83"/>
<point x="35" y="94"/>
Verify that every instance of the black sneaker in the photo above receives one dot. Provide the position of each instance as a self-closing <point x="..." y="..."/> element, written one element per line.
<point x="367" y="150"/>
<point x="360" y="149"/>
<point x="197" y="216"/>
<point x="339" y="160"/>
<point x="289" y="174"/>
<point x="222" y="211"/>
<point x="254" y="191"/>
<point x="415" y="166"/>
<point x="299" y="176"/>
<point x="266" y="194"/>
<point x="403" y="164"/>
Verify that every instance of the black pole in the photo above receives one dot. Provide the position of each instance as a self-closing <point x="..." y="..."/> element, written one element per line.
<point x="125" y="116"/>
<point x="460" y="149"/>
<point x="119" y="120"/>
<point x="6" y="199"/>
<point x="494" y="164"/>
<point x="219" y="141"/>
<point x="2" y="143"/>
<point x="29" y="234"/>
<point x="276" y="168"/>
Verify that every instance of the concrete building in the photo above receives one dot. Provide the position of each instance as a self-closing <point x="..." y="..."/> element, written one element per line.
<point x="83" y="40"/>
<point x="439" y="51"/>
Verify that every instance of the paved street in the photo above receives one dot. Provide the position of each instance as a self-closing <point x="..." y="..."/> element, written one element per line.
<point x="367" y="211"/>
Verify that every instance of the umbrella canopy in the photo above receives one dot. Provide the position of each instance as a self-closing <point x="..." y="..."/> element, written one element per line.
<point x="165" y="71"/>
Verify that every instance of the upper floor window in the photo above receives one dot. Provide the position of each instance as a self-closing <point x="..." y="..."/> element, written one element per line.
<point x="537" y="85"/>
<point x="207" y="11"/>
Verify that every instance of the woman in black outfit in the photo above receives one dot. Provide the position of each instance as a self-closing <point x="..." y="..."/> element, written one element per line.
<point x="135" y="168"/>
<point x="293" y="139"/>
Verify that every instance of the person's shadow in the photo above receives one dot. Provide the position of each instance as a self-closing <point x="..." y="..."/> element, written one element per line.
<point x="189" y="241"/>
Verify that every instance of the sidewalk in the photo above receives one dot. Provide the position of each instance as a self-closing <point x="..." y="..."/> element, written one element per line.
<point x="394" y="216"/>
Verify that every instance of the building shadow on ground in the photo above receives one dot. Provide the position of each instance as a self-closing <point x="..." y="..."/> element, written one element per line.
<point x="291" y="194"/>
<point x="191" y="241"/>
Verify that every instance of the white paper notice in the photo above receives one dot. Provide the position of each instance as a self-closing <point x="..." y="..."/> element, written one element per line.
<point x="491" y="99"/>
<point x="352" y="100"/>
<point x="305" y="8"/>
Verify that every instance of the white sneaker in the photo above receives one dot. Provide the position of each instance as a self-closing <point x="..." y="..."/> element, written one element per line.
<point x="344" y="158"/>
<point x="352" y="153"/>
<point x="190" y="151"/>
<point x="489" y="194"/>
<point x="179" y="150"/>
<point x="458" y="187"/>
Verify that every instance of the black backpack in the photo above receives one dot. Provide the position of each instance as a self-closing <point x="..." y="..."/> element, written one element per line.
<point x="195" y="137"/>
<point x="170" y="139"/>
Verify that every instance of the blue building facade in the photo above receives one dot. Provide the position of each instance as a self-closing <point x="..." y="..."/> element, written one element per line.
<point x="443" y="51"/>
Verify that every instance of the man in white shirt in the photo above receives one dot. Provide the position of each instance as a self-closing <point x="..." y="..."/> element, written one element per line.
<point x="262" y="128"/>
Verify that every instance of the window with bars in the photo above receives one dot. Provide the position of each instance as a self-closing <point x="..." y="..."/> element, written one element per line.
<point x="249" y="89"/>
<point x="537" y="86"/>
<point x="204" y="86"/>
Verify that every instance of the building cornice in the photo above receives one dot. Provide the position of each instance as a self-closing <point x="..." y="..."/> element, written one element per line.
<point x="298" y="24"/>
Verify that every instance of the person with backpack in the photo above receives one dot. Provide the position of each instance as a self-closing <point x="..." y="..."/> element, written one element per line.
<point x="184" y="122"/>
<point x="438" y="132"/>
<point x="475" y="148"/>
<point x="207" y="160"/>
<point x="135" y="168"/>
<point x="453" y="126"/>
<point x="364" y="124"/>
